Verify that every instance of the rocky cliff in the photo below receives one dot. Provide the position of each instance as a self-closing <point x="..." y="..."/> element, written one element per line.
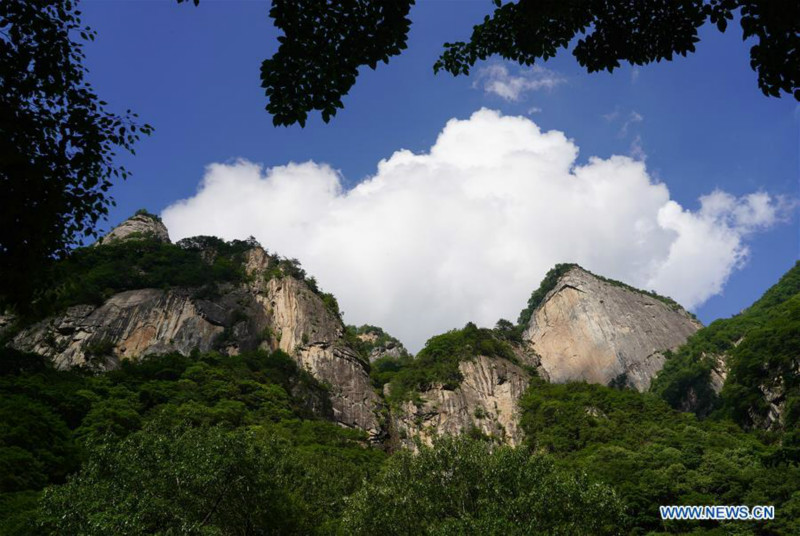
<point x="747" y="365"/>
<point x="590" y="329"/>
<point x="375" y="343"/>
<point x="485" y="403"/>
<point x="267" y="309"/>
<point x="142" y="225"/>
<point x="581" y="327"/>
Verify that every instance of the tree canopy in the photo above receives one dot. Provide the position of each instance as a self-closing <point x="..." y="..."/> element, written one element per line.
<point x="325" y="43"/>
<point x="57" y="140"/>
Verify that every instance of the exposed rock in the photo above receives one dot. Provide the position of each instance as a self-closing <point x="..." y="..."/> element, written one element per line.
<point x="268" y="313"/>
<point x="588" y="329"/>
<point x="719" y="372"/>
<point x="305" y="328"/>
<point x="130" y="324"/>
<point x="390" y="349"/>
<point x="137" y="226"/>
<point x="355" y="403"/>
<point x="6" y="322"/>
<point x="299" y="317"/>
<point x="486" y="401"/>
<point x="378" y="344"/>
<point x="775" y="398"/>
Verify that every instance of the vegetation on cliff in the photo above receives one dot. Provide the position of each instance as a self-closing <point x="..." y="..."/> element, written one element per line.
<point x="366" y="338"/>
<point x="179" y="430"/>
<point x="551" y="279"/>
<point x="652" y="455"/>
<point x="231" y="444"/>
<point x="92" y="275"/>
<point x="208" y="443"/>
<point x="437" y="363"/>
<point x="760" y="347"/>
<point x="462" y="486"/>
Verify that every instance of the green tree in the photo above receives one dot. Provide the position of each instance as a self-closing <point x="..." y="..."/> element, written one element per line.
<point x="35" y="445"/>
<point x="57" y="141"/>
<point x="759" y="348"/>
<point x="652" y="455"/>
<point x="175" y="480"/>
<point x="464" y="486"/>
<point x="325" y="43"/>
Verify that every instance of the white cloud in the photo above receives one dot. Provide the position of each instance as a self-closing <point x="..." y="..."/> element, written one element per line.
<point x="748" y="213"/>
<point x="636" y="150"/>
<point x="633" y="118"/>
<point x="628" y="120"/>
<point x="468" y="230"/>
<point x="497" y="79"/>
<point x="611" y="116"/>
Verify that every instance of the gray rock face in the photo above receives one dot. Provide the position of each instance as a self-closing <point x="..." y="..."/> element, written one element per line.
<point x="486" y="400"/>
<point x="380" y="344"/>
<point x="306" y="329"/>
<point x="276" y="313"/>
<point x="587" y="329"/>
<point x="390" y="349"/>
<point x="130" y="324"/>
<point x="140" y="225"/>
<point x="6" y="321"/>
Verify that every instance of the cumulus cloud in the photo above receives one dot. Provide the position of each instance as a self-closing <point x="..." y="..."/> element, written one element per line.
<point x="498" y="80"/>
<point x="468" y="229"/>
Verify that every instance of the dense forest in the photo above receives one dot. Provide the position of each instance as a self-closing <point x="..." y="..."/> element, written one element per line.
<point x="219" y="444"/>
<point x="761" y="347"/>
<point x="239" y="441"/>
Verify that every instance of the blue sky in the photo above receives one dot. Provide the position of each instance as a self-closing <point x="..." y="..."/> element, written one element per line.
<point x="700" y="123"/>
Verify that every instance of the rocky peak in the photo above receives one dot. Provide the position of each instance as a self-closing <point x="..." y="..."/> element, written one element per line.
<point x="374" y="343"/>
<point x="588" y="328"/>
<point x="140" y="225"/>
<point x="485" y="403"/>
<point x="273" y="306"/>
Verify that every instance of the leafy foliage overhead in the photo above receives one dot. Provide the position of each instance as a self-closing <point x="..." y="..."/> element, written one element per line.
<point x="58" y="141"/>
<point x="322" y="47"/>
<point x="636" y="31"/>
<point x="325" y="43"/>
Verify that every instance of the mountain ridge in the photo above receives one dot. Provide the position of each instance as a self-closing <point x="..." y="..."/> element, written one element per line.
<point x="580" y="327"/>
<point x="308" y="420"/>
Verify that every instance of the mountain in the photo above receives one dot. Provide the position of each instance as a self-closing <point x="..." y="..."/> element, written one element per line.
<point x="746" y="367"/>
<point x="577" y="327"/>
<point x="588" y="328"/>
<point x="135" y="293"/>
<point x="153" y="386"/>
<point x="375" y="343"/>
<point x="464" y="381"/>
<point x="155" y="297"/>
<point x="141" y="225"/>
